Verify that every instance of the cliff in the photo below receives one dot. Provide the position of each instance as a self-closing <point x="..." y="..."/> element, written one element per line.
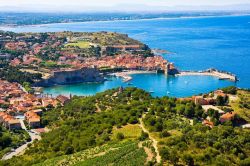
<point x="71" y="77"/>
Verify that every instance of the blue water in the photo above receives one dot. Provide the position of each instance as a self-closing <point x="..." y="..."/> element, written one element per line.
<point x="159" y="84"/>
<point x="196" y="43"/>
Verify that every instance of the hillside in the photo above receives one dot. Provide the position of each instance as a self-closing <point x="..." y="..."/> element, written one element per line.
<point x="130" y="127"/>
<point x="241" y="104"/>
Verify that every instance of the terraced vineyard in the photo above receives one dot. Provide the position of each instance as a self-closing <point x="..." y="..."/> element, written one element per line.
<point x="123" y="153"/>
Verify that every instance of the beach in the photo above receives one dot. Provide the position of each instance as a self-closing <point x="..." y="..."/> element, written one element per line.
<point x="126" y="75"/>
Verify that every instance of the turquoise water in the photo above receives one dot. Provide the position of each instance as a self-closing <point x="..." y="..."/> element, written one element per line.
<point x="159" y="84"/>
<point x="196" y="43"/>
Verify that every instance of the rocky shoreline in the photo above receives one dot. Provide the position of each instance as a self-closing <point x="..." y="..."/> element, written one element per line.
<point x="71" y="76"/>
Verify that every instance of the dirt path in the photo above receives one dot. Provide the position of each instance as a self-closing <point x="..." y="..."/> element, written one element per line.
<point x="154" y="142"/>
<point x="98" y="109"/>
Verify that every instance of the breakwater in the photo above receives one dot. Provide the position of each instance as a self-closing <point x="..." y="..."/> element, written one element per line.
<point x="211" y="72"/>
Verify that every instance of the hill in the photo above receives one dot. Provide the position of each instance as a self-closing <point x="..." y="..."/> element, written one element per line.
<point x="130" y="127"/>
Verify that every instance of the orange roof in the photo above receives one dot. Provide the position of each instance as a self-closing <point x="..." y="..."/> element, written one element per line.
<point x="14" y="121"/>
<point x="34" y="119"/>
<point x="227" y="116"/>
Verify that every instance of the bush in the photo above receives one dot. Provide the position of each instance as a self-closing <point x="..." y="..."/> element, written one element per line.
<point x="143" y="136"/>
<point x="164" y="133"/>
<point x="120" y="136"/>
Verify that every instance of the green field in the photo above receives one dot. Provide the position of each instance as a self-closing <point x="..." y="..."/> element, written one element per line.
<point x="129" y="131"/>
<point x="80" y="44"/>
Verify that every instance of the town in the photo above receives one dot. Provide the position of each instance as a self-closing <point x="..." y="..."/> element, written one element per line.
<point x="18" y="105"/>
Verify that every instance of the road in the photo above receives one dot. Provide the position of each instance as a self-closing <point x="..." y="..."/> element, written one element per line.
<point x="21" y="149"/>
<point x="158" y="157"/>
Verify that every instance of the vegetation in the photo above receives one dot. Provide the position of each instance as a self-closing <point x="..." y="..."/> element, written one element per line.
<point x="13" y="74"/>
<point x="128" y="131"/>
<point x="80" y="44"/>
<point x="52" y="65"/>
<point x="241" y="105"/>
<point x="115" y="153"/>
<point x="11" y="139"/>
<point x="230" y="90"/>
<point x="81" y="135"/>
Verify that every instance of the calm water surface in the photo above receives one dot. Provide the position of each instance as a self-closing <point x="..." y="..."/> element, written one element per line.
<point x="196" y="44"/>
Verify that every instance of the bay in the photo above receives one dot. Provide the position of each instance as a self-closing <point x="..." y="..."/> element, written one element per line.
<point x="194" y="43"/>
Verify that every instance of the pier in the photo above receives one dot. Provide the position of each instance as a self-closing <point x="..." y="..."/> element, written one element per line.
<point x="211" y="72"/>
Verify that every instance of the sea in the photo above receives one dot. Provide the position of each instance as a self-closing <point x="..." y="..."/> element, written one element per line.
<point x="196" y="43"/>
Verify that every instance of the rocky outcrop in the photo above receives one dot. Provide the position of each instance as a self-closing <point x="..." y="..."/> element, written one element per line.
<point x="71" y="77"/>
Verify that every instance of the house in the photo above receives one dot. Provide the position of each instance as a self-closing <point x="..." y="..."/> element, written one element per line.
<point x="34" y="122"/>
<point x="14" y="124"/>
<point x="63" y="99"/>
<point x="9" y="121"/>
<point x="227" y="117"/>
<point x="203" y="101"/>
<point x="219" y="93"/>
<point x="33" y="119"/>
<point x="49" y="101"/>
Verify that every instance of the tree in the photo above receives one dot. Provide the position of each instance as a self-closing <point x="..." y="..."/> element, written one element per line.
<point x="189" y="110"/>
<point x="188" y="159"/>
<point x="164" y="133"/>
<point x="220" y="101"/>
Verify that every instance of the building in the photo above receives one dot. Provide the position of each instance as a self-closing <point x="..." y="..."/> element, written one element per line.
<point x="63" y="99"/>
<point x="13" y="124"/>
<point x="203" y="101"/>
<point x="9" y="121"/>
<point x="229" y="116"/>
<point x="32" y="119"/>
<point x="170" y="69"/>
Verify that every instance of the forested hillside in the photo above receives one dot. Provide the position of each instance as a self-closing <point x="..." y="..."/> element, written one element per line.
<point x="120" y="127"/>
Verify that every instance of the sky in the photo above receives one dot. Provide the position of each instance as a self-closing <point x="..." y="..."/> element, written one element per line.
<point x="123" y="5"/>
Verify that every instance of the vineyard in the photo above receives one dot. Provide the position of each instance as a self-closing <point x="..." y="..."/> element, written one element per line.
<point x="123" y="153"/>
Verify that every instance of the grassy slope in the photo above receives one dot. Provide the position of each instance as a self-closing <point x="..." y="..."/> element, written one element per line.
<point x="129" y="131"/>
<point x="80" y="44"/>
<point x="241" y="104"/>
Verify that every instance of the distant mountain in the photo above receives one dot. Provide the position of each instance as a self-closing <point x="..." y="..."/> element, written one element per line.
<point x="121" y="8"/>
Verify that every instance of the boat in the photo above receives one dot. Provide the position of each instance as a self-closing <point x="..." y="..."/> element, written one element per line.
<point x="129" y="83"/>
<point x="151" y="92"/>
<point x="168" y="92"/>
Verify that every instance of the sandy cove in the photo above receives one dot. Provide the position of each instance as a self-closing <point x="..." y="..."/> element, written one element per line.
<point x="126" y="75"/>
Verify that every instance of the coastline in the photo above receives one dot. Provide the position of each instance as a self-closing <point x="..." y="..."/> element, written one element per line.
<point x="126" y="74"/>
<point x="141" y="19"/>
